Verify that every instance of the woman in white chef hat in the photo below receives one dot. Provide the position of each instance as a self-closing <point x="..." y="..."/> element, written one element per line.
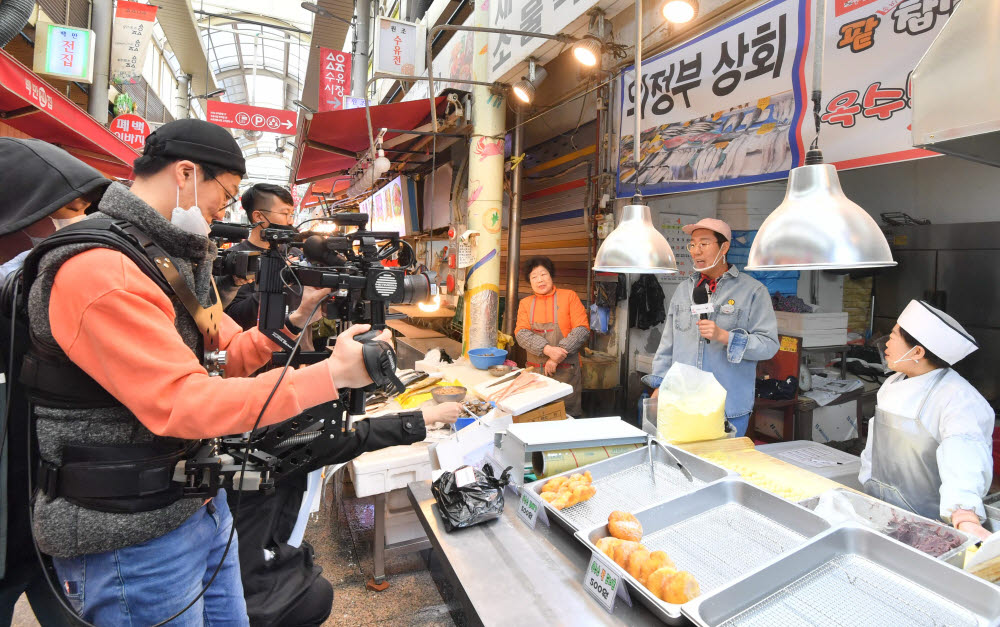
<point x="929" y="445"/>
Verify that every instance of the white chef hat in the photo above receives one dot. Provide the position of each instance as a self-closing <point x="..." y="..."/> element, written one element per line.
<point x="937" y="331"/>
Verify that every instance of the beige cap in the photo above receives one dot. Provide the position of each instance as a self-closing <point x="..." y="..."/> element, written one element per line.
<point x="711" y="224"/>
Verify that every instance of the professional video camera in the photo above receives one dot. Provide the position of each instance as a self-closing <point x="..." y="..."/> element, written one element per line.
<point x="240" y="264"/>
<point x="362" y="289"/>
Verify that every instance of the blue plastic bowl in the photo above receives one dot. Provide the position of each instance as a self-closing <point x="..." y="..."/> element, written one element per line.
<point x="462" y="423"/>
<point x="483" y="358"/>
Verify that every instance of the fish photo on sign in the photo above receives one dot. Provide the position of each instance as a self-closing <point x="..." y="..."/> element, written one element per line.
<point x="748" y="140"/>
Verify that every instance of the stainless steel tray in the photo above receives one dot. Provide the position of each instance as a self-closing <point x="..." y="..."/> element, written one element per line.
<point x="855" y="577"/>
<point x="718" y="534"/>
<point x="879" y="513"/>
<point x="624" y="483"/>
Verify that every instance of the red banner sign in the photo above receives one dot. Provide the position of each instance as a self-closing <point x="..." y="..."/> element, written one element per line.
<point x="334" y="78"/>
<point x="131" y="129"/>
<point x="251" y="118"/>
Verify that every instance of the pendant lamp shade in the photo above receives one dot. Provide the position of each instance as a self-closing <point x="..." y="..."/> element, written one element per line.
<point x="635" y="246"/>
<point x="816" y="227"/>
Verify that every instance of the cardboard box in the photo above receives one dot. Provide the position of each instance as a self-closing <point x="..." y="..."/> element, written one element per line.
<point x="552" y="411"/>
<point x="770" y="422"/>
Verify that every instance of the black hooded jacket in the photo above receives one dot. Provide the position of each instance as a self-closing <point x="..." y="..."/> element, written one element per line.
<point x="37" y="179"/>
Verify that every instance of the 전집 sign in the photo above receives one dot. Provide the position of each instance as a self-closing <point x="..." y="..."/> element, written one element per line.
<point x="605" y="584"/>
<point x="64" y="52"/>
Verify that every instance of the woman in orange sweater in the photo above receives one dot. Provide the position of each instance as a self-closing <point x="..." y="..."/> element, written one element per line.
<point x="552" y="327"/>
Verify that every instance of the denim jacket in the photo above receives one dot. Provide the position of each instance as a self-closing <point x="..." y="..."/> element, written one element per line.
<point x="742" y="307"/>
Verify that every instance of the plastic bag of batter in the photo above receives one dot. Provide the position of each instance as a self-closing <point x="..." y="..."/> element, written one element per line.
<point x="691" y="406"/>
<point x="469" y="496"/>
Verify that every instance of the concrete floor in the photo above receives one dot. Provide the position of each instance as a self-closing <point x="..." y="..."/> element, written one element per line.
<point x="343" y="542"/>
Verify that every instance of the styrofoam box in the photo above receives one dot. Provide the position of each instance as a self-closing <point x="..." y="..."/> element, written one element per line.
<point x="835" y="423"/>
<point x="818" y="458"/>
<point x="813" y="339"/>
<point x="794" y="323"/>
<point x="389" y="469"/>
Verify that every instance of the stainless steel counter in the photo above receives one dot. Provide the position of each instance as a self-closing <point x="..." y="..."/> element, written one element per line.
<point x="510" y="574"/>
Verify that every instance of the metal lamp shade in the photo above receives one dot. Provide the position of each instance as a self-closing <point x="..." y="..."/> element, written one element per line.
<point x="635" y="246"/>
<point x="816" y="227"/>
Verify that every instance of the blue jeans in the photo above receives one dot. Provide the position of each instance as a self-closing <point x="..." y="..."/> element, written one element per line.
<point x="741" y="423"/>
<point x="146" y="583"/>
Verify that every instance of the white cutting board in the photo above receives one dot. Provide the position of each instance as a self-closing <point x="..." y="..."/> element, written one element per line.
<point x="583" y="432"/>
<point x="526" y="401"/>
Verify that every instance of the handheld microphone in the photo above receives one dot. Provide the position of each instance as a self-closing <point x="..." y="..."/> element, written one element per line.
<point x="700" y="297"/>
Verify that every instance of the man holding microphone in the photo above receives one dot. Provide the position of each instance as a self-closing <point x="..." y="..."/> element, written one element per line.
<point x="719" y="320"/>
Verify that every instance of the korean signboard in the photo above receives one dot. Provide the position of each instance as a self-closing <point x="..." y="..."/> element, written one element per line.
<point x="393" y="208"/>
<point x="398" y="47"/>
<point x="131" y="33"/>
<point x="131" y="129"/>
<point x="870" y="50"/>
<point x="334" y="78"/>
<point x="250" y="118"/>
<point x="64" y="52"/>
<point x="536" y="16"/>
<point x="726" y="108"/>
<point x="352" y="102"/>
<point x="453" y="61"/>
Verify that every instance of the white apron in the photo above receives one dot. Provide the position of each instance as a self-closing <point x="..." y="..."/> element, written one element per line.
<point x="904" y="460"/>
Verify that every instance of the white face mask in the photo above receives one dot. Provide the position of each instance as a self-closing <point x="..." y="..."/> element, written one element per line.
<point x="64" y="222"/>
<point x="714" y="263"/>
<point x="191" y="219"/>
<point x="903" y="358"/>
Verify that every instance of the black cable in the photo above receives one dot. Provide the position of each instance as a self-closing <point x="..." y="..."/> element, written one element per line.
<point x="243" y="468"/>
<point x="10" y="369"/>
<point x="239" y="493"/>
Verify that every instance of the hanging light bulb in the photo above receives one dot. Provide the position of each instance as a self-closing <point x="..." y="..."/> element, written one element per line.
<point x="381" y="165"/>
<point x="817" y="227"/>
<point x="588" y="51"/>
<point x="524" y="89"/>
<point x="680" y="11"/>
<point x="635" y="246"/>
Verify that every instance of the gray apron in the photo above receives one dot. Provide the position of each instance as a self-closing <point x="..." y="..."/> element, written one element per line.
<point x="904" y="461"/>
<point x="569" y="370"/>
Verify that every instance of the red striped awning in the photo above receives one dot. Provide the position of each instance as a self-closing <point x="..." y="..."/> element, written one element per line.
<point x="37" y="109"/>
<point x="332" y="139"/>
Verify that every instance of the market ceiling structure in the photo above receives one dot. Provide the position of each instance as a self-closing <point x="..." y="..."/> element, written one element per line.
<point x="258" y="51"/>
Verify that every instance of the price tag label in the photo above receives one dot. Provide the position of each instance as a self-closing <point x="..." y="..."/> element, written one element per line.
<point x="528" y="507"/>
<point x="697" y="310"/>
<point x="605" y="583"/>
<point x="465" y="476"/>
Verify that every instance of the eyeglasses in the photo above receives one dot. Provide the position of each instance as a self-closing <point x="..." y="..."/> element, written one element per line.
<point x="287" y="214"/>
<point x="699" y="245"/>
<point x="232" y="199"/>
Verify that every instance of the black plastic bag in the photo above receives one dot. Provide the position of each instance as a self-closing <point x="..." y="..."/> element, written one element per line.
<point x="478" y="499"/>
<point x="778" y="389"/>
